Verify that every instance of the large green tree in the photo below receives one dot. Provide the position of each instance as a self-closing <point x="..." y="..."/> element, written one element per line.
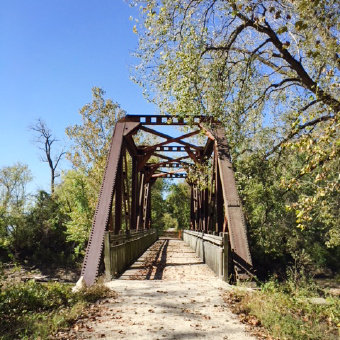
<point x="40" y="237"/>
<point x="14" y="201"/>
<point x="91" y="139"/>
<point x="74" y="196"/>
<point x="268" y="70"/>
<point x="80" y="187"/>
<point x="13" y="184"/>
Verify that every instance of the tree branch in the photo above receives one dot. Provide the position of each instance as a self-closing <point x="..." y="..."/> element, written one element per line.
<point x="232" y="39"/>
<point x="296" y="65"/>
<point x="298" y="129"/>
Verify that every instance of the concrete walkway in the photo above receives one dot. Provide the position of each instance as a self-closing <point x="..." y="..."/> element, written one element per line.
<point x="167" y="294"/>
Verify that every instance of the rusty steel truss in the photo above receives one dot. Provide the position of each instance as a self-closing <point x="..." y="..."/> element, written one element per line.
<point x="131" y="169"/>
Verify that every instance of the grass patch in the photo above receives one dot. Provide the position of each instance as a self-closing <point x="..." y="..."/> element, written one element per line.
<point x="31" y="310"/>
<point x="288" y="312"/>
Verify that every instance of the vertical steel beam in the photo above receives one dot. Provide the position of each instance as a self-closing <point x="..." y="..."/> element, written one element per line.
<point x="192" y="214"/>
<point x="212" y="197"/>
<point x="126" y="196"/>
<point x="119" y="197"/>
<point x="110" y="223"/>
<point x="145" y="205"/>
<point x="140" y="202"/>
<point x="206" y="209"/>
<point x="149" y="222"/>
<point x="219" y="201"/>
<point x="134" y="194"/>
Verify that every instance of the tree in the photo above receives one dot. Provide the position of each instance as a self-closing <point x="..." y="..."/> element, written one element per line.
<point x="40" y="237"/>
<point x="178" y="204"/>
<point x="206" y="56"/>
<point x="79" y="190"/>
<point x="74" y="196"/>
<point x="13" y="182"/>
<point x="13" y="201"/>
<point x="91" y="140"/>
<point x="45" y="138"/>
<point x="158" y="208"/>
<point x="268" y="70"/>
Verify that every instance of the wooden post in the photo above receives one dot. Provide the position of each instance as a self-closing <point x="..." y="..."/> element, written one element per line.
<point x="107" y="256"/>
<point x="225" y="239"/>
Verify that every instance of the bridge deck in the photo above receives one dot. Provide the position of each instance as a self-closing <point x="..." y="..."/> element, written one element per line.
<point x="169" y="259"/>
<point x="167" y="294"/>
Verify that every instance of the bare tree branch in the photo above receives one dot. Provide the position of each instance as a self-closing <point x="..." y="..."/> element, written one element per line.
<point x="44" y="137"/>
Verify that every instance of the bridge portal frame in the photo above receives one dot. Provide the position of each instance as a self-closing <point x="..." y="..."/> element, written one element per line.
<point x="126" y="200"/>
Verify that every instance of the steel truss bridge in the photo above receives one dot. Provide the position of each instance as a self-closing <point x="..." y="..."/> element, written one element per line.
<point x="125" y="195"/>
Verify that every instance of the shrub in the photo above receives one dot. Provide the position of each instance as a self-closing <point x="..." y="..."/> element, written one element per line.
<point x="30" y="309"/>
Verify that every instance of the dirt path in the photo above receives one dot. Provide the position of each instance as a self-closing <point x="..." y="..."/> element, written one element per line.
<point x="167" y="294"/>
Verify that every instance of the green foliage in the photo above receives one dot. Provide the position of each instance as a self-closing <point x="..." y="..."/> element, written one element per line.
<point x="31" y="309"/>
<point x="288" y="312"/>
<point x="199" y="174"/>
<point x="158" y="204"/>
<point x="269" y="71"/>
<point x="169" y="221"/>
<point x="174" y="210"/>
<point x="79" y="190"/>
<point x="91" y="139"/>
<point x="75" y="196"/>
<point x="178" y="205"/>
<point x="275" y="240"/>
<point x="13" y="182"/>
<point x="39" y="235"/>
<point x="32" y="228"/>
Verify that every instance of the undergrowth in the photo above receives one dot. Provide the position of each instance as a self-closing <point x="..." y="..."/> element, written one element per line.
<point x="36" y="310"/>
<point x="285" y="311"/>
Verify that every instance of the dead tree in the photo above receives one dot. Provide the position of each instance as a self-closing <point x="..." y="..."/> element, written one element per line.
<point x="45" y="139"/>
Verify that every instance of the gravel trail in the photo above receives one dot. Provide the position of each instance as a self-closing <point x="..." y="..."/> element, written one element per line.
<point x="167" y="294"/>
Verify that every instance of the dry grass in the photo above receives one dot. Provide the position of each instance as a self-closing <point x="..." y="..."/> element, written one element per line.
<point x="277" y="311"/>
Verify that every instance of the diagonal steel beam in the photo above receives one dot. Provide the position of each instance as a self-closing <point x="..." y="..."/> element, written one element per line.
<point x="192" y="155"/>
<point x="101" y="217"/>
<point x="176" y="140"/>
<point x="175" y="160"/>
<point x="233" y="209"/>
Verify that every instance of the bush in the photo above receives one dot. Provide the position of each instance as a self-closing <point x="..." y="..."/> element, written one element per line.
<point x="31" y="309"/>
<point x="287" y="312"/>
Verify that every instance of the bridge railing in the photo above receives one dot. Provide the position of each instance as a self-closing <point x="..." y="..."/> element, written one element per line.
<point x="122" y="250"/>
<point x="212" y="249"/>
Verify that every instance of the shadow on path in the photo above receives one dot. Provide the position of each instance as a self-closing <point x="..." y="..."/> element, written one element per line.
<point x="164" y="254"/>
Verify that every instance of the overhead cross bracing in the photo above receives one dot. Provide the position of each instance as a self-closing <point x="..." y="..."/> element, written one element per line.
<point x="134" y="163"/>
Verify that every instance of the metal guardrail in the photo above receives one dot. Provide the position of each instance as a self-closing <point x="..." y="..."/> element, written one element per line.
<point x="212" y="249"/>
<point x="122" y="250"/>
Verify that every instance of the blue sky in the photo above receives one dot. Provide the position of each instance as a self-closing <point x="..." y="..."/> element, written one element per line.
<point x="52" y="52"/>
